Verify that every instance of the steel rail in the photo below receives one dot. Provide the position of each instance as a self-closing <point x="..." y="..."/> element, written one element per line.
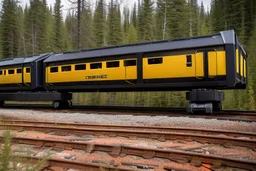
<point x="131" y="108"/>
<point x="196" y="159"/>
<point x="136" y="127"/>
<point x="133" y="134"/>
<point x="71" y="164"/>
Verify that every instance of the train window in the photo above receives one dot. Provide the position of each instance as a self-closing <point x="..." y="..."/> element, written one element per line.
<point x="113" y="64"/>
<point x="11" y="71"/>
<point x="130" y="63"/>
<point x="4" y="72"/>
<point x="189" y="61"/>
<point x="80" y="67"/>
<point x="96" y="66"/>
<point x="1" y="72"/>
<point x="155" y="61"/>
<point x="27" y="70"/>
<point x="18" y="71"/>
<point x="65" y="68"/>
<point x="54" y="69"/>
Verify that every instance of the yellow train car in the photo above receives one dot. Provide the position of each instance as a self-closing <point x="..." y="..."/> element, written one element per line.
<point x="215" y="62"/>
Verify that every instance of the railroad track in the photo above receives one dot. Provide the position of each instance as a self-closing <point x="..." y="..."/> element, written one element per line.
<point x="231" y="115"/>
<point x="148" y="153"/>
<point x="225" y="138"/>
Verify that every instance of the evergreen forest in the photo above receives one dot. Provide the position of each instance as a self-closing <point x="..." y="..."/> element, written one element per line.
<point x="39" y="28"/>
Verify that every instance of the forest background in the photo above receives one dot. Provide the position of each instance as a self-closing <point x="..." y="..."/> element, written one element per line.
<point x="39" y="28"/>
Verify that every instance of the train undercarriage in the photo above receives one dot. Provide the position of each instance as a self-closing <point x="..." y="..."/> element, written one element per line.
<point x="200" y="100"/>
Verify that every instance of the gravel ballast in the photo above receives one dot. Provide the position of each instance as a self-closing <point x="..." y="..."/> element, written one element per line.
<point x="91" y="118"/>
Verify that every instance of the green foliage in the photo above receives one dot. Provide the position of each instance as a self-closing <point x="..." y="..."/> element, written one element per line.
<point x="9" y="31"/>
<point x="114" y="35"/>
<point x="145" y="22"/>
<point x="58" y="27"/>
<point x="99" y="24"/>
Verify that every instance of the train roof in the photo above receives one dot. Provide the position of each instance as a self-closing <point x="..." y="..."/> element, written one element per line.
<point x="21" y="60"/>
<point x="225" y="37"/>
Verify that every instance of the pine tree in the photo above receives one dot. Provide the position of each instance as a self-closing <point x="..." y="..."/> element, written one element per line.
<point x="9" y="26"/>
<point x="114" y="36"/>
<point x="35" y="19"/>
<point x="71" y="27"/>
<point x="146" y="25"/>
<point x="87" y="37"/>
<point x="50" y="34"/>
<point x="193" y="17"/>
<point x="132" y="38"/>
<point x="99" y="24"/>
<point x="58" y="27"/>
<point x="134" y="16"/>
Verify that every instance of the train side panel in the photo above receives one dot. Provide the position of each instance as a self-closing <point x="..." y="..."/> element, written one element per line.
<point x="11" y="76"/>
<point x="178" y="66"/>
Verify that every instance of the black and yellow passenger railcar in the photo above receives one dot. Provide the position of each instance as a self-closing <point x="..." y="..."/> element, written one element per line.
<point x="214" y="62"/>
<point x="22" y="73"/>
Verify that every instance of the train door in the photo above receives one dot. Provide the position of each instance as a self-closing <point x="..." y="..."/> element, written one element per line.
<point x="198" y="58"/>
<point x="130" y="69"/>
<point x="216" y="64"/>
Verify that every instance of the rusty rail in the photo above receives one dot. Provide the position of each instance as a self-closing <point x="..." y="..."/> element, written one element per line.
<point x="133" y="134"/>
<point x="195" y="159"/>
<point x="250" y="135"/>
<point x="72" y="164"/>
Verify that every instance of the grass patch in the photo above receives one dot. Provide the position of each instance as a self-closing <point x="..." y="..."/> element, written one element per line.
<point x="9" y="162"/>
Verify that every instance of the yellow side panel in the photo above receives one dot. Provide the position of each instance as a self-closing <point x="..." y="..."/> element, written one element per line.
<point x="26" y="76"/>
<point x="11" y="78"/>
<point x="216" y="63"/>
<point x="130" y="72"/>
<point x="244" y="68"/>
<point x="174" y="67"/>
<point x="241" y="65"/>
<point x="199" y="67"/>
<point x="237" y="61"/>
<point x="103" y="74"/>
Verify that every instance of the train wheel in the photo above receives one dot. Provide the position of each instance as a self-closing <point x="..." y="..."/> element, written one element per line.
<point x="217" y="106"/>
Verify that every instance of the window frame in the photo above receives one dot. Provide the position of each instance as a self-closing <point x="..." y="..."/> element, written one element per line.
<point x="128" y="60"/>
<point x="54" y="67"/>
<point x="96" y="63"/>
<point x="112" y="62"/>
<point x="153" y="62"/>
<point x="68" y="67"/>
<point x="77" y="65"/>
<point x="189" y="60"/>
<point x="18" y="69"/>
<point x="28" y="70"/>
<point x="13" y="71"/>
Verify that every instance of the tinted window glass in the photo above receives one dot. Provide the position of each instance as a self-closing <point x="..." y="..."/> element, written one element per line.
<point x="155" y="61"/>
<point x="189" y="61"/>
<point x="18" y="71"/>
<point x="54" y="69"/>
<point x="27" y="70"/>
<point x="1" y="72"/>
<point x="80" y="67"/>
<point x="113" y="64"/>
<point x="65" y="68"/>
<point x="130" y="63"/>
<point x="11" y="71"/>
<point x="96" y="66"/>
